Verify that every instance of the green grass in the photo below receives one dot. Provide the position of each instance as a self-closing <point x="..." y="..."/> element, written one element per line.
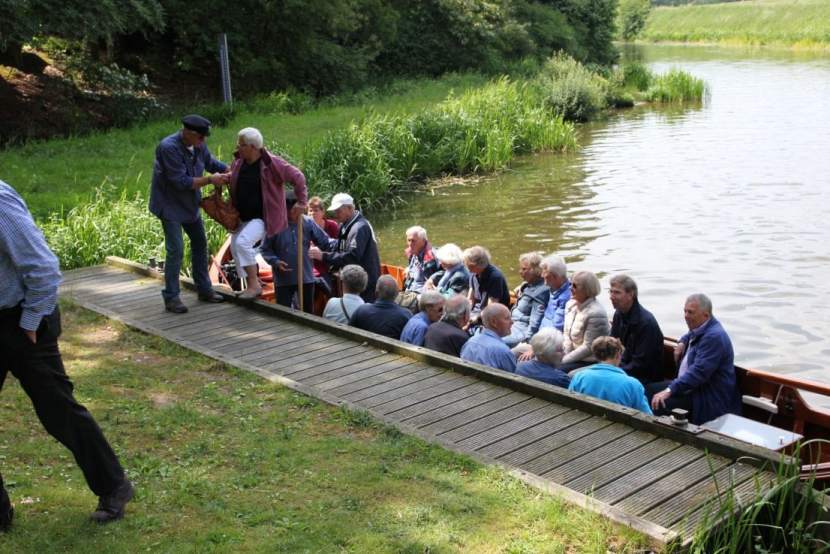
<point x="225" y="461"/>
<point x="799" y="23"/>
<point x="56" y="175"/>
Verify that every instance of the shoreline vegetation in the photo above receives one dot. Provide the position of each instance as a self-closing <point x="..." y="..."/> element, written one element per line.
<point x="376" y="153"/>
<point x="799" y="24"/>
<point x="224" y="460"/>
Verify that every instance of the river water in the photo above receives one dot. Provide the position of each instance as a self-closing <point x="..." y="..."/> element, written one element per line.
<point x="728" y="197"/>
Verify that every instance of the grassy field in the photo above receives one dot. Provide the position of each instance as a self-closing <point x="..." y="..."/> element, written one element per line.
<point x="58" y="174"/>
<point x="797" y="23"/>
<point x="225" y="461"/>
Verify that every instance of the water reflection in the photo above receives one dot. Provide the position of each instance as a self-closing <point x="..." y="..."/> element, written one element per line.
<point x="726" y="198"/>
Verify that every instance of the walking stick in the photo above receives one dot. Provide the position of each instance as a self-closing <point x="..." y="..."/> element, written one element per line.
<point x="300" y="221"/>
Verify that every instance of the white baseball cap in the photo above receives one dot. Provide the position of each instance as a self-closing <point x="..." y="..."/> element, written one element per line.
<point x="341" y="199"/>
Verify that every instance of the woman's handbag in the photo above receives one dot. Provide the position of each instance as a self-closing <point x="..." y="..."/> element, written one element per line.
<point x="220" y="210"/>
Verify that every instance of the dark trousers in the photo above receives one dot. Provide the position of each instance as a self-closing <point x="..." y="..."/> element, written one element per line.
<point x="674" y="401"/>
<point x="285" y="296"/>
<point x="39" y="369"/>
<point x="174" y="247"/>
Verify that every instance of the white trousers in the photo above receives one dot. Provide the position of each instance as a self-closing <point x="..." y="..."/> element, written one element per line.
<point x="244" y="240"/>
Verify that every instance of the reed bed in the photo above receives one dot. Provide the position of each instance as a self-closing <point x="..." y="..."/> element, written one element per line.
<point x="800" y="23"/>
<point x="675" y="86"/>
<point x="791" y="516"/>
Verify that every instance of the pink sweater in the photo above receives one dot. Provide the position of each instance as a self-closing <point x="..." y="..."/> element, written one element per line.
<point x="274" y="172"/>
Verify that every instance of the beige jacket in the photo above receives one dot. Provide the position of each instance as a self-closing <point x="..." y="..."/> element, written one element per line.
<point x="583" y="324"/>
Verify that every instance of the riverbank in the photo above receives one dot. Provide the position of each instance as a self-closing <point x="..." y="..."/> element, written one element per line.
<point x="789" y="23"/>
<point x="223" y="460"/>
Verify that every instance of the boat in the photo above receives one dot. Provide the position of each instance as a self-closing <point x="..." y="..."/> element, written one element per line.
<point x="773" y="404"/>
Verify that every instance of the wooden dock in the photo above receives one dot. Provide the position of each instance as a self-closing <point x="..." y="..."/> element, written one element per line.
<point x="656" y="478"/>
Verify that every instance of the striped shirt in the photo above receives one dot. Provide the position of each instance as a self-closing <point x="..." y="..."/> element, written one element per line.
<point x="29" y="274"/>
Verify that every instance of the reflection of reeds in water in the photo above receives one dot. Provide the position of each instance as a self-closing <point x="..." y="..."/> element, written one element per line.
<point x="787" y="515"/>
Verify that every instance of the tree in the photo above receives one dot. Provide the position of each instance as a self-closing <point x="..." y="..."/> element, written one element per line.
<point x="632" y="17"/>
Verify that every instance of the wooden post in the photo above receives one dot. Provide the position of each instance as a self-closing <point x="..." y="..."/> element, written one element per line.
<point x="300" y="221"/>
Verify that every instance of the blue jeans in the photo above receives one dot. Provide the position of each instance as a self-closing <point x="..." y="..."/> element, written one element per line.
<point x="174" y="246"/>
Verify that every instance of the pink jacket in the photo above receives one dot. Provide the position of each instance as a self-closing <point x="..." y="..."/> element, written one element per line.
<point x="274" y="172"/>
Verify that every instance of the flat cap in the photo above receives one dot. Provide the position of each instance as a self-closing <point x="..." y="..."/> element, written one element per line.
<point x="197" y="123"/>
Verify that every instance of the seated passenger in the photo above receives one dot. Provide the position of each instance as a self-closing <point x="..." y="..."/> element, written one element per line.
<point x="555" y="274"/>
<point x="383" y="317"/>
<point x="638" y="331"/>
<point x="422" y="261"/>
<point x="606" y="380"/>
<point x="547" y="354"/>
<point x="453" y="277"/>
<point x="487" y="282"/>
<point x="280" y="252"/>
<point x="448" y="335"/>
<point x="353" y="279"/>
<point x="706" y="383"/>
<point x="532" y="298"/>
<point x="486" y="347"/>
<point x="585" y="321"/>
<point x="317" y="211"/>
<point x="431" y="305"/>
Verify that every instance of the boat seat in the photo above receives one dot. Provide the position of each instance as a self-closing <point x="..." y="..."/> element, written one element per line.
<point x="761" y="403"/>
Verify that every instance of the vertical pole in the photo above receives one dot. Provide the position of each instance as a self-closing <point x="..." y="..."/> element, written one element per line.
<point x="300" y="260"/>
<point x="225" y="67"/>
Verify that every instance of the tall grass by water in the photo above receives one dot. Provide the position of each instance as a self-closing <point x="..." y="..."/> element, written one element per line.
<point x="790" y="516"/>
<point x="799" y="23"/>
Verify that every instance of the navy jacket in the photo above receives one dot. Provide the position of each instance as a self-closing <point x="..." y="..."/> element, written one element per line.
<point x="446" y="337"/>
<point x="283" y="247"/>
<point x="356" y="245"/>
<point x="491" y="284"/>
<point x="710" y="377"/>
<point x="383" y="317"/>
<point x="172" y="196"/>
<point x="643" y="340"/>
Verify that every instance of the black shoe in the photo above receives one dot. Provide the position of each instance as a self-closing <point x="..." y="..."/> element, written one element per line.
<point x="175" y="305"/>
<point x="111" y="507"/>
<point x="212" y="297"/>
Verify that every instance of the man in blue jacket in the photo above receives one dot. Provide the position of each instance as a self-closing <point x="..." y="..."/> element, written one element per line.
<point x="706" y="383"/>
<point x="178" y="174"/>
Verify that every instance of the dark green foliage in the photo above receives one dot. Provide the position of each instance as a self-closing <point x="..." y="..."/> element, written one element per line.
<point x="572" y="90"/>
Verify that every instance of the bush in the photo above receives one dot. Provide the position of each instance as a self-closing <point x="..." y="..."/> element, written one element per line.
<point x="631" y="17"/>
<point x="571" y="90"/>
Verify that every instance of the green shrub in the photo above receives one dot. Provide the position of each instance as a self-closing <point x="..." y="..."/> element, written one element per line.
<point x="635" y="75"/>
<point x="571" y="90"/>
<point x="280" y="102"/>
<point x="631" y="17"/>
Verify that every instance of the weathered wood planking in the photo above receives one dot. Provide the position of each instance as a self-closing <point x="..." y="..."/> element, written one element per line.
<point x="656" y="479"/>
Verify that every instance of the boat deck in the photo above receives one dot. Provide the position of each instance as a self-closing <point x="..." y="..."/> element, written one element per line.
<point x="651" y="476"/>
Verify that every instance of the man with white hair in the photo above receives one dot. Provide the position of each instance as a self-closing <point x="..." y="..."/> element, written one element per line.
<point x="431" y="305"/>
<point x="422" y="261"/>
<point x="706" y="383"/>
<point x="256" y="182"/>
<point x="486" y="347"/>
<point x="555" y="274"/>
<point x="356" y="243"/>
<point x="178" y="173"/>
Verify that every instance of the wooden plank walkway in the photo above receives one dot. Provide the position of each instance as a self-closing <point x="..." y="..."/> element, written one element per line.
<point x="653" y="477"/>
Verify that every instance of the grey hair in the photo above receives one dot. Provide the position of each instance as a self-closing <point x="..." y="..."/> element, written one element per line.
<point x="556" y="265"/>
<point x="430" y="298"/>
<point x="533" y="259"/>
<point x="449" y="254"/>
<point x="387" y="288"/>
<point x="478" y="256"/>
<point x="627" y="283"/>
<point x="251" y="136"/>
<point x="354" y="279"/>
<point x="702" y="301"/>
<point x="547" y="346"/>
<point x="418" y="231"/>
<point x="588" y="282"/>
<point x="490" y="313"/>
<point x="456" y="308"/>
